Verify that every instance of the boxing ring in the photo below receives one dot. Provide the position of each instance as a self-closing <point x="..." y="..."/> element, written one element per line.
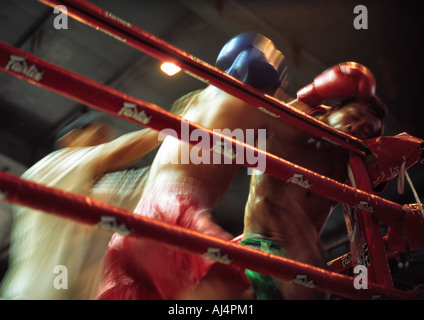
<point x="366" y="209"/>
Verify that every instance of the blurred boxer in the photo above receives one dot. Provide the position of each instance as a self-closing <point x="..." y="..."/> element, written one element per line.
<point x="41" y="243"/>
<point x="184" y="194"/>
<point x="277" y="214"/>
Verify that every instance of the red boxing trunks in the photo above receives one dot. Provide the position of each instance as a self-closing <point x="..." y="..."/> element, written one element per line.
<point x="142" y="269"/>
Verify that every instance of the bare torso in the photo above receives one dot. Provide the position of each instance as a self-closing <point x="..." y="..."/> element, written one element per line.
<point x="276" y="209"/>
<point x="287" y="213"/>
<point x="213" y="109"/>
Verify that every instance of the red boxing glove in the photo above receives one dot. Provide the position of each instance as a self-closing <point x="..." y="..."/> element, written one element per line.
<point x="345" y="80"/>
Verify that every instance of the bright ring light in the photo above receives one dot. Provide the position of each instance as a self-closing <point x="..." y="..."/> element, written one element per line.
<point x="169" y="68"/>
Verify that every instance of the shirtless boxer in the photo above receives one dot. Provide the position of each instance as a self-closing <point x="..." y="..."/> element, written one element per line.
<point x="41" y="243"/>
<point x="184" y="194"/>
<point x="286" y="219"/>
<point x="283" y="218"/>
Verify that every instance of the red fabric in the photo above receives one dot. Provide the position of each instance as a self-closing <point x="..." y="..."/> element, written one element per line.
<point x="118" y="283"/>
<point x="390" y="153"/>
<point x="408" y="235"/>
<point x="142" y="269"/>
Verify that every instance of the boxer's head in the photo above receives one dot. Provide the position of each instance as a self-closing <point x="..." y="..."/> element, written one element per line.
<point x="90" y="129"/>
<point x="361" y="119"/>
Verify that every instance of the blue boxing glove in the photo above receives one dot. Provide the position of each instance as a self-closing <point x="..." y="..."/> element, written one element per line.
<point x="253" y="59"/>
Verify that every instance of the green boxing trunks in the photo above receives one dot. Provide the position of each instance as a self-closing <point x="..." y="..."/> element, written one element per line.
<point x="264" y="286"/>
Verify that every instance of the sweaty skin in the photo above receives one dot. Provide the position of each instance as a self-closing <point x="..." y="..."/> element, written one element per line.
<point x="292" y="215"/>
<point x="275" y="210"/>
<point x="214" y="109"/>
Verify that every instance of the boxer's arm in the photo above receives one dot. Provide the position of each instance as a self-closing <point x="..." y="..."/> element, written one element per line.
<point x="125" y="150"/>
<point x="132" y="146"/>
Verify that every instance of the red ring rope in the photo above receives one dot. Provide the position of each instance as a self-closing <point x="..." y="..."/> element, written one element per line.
<point x="82" y="89"/>
<point x="54" y="201"/>
<point x="99" y="19"/>
<point x="109" y="100"/>
<point x="86" y="210"/>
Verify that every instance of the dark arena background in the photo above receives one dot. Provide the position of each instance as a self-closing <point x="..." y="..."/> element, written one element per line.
<point x="313" y="35"/>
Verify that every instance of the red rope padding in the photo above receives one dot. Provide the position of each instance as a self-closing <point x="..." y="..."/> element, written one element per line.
<point x="88" y="211"/>
<point x="366" y="244"/>
<point x="99" y="96"/>
<point x="99" y="19"/>
<point x="104" y="21"/>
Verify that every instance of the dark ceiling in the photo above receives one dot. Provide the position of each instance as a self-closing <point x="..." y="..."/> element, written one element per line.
<point x="313" y="35"/>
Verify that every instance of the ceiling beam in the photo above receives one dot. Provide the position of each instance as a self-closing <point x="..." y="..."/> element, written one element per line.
<point x="36" y="27"/>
